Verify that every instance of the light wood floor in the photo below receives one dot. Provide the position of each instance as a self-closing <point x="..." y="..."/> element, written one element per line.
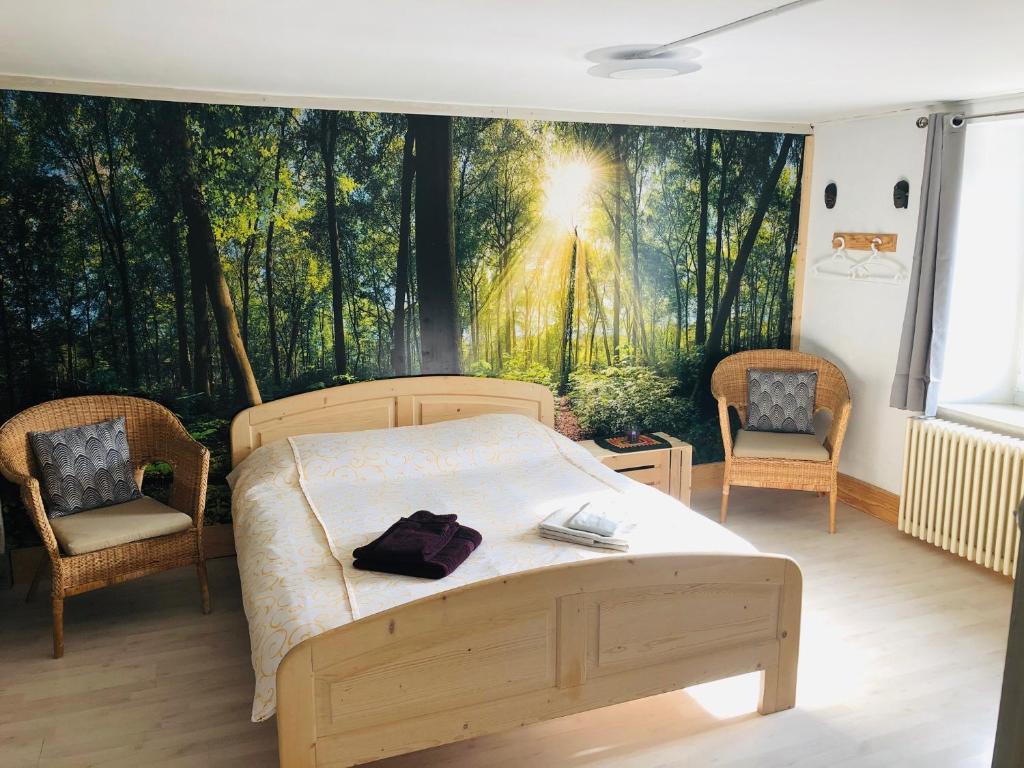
<point x="901" y="661"/>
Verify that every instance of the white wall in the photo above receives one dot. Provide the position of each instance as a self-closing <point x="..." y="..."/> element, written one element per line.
<point x="857" y="325"/>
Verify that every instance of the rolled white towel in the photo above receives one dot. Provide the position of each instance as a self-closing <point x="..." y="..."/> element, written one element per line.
<point x="601" y="519"/>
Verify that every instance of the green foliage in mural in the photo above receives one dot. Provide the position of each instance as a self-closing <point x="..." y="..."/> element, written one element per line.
<point x="212" y="256"/>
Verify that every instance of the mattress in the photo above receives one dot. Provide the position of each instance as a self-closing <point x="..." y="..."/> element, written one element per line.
<point x="301" y="505"/>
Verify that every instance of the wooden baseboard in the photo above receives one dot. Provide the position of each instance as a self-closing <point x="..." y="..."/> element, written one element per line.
<point x="858" y="494"/>
<point x="869" y="499"/>
<point x="218" y="541"/>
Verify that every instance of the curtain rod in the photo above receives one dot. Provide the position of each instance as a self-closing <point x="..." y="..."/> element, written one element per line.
<point x="1003" y="113"/>
<point x="961" y="118"/>
<point x="793" y="5"/>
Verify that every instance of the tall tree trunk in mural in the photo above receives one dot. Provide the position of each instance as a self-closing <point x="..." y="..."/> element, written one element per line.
<point x="245" y="279"/>
<point x="635" y="182"/>
<point x="151" y="158"/>
<point x="435" y="247"/>
<point x="204" y="257"/>
<point x="172" y="241"/>
<point x="95" y="165"/>
<point x="599" y="308"/>
<point x="565" y="357"/>
<point x="399" y="346"/>
<point x="792" y="232"/>
<point x="713" y="348"/>
<point x="678" y="341"/>
<point x="156" y="157"/>
<point x="111" y="200"/>
<point x="617" y="160"/>
<point x="724" y="155"/>
<point x="298" y="309"/>
<point x="353" y="361"/>
<point x="27" y="293"/>
<point x="268" y="255"/>
<point x="702" y="151"/>
<point x="328" y="147"/>
<point x="201" y="351"/>
<point x="5" y="330"/>
<point x="232" y="349"/>
<point x="6" y="134"/>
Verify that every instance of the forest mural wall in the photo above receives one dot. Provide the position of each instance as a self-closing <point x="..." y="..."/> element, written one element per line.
<point x="212" y="256"/>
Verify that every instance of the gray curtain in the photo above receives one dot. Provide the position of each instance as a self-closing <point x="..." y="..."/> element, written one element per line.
<point x="923" y="344"/>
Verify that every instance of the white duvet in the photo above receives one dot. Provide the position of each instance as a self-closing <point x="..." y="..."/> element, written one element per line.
<point x="302" y="505"/>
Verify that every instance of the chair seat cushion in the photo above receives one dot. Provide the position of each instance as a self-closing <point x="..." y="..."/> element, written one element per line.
<point x="96" y="529"/>
<point x="778" y="445"/>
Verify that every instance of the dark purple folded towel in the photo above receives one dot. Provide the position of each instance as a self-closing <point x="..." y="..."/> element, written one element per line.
<point x="440" y="565"/>
<point x="413" y="539"/>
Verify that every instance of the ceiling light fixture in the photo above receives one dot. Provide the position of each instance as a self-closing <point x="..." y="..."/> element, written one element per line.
<point x="646" y="62"/>
<point x="635" y="62"/>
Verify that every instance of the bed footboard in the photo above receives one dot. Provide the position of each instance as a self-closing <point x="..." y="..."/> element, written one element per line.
<point x="537" y="645"/>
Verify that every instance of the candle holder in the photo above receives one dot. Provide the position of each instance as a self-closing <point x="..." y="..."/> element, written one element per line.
<point x="632" y="434"/>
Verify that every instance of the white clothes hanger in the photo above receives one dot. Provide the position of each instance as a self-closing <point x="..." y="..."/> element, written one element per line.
<point x="838" y="264"/>
<point x="876" y="267"/>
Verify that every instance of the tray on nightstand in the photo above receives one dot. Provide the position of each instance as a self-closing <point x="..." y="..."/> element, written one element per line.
<point x="622" y="445"/>
<point x="666" y="468"/>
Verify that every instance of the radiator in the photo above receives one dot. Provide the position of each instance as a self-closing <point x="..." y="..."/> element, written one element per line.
<point x="961" y="486"/>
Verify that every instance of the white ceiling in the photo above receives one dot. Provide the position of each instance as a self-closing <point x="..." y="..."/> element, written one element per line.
<point x="831" y="59"/>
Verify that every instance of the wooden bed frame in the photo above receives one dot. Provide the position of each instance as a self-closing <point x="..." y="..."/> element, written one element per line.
<point x="386" y="403"/>
<point x="522" y="648"/>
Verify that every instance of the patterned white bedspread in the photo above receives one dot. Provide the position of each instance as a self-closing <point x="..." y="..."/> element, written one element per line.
<point x="302" y="505"/>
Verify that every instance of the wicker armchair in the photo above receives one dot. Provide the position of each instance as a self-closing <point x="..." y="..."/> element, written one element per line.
<point x="154" y="433"/>
<point x="729" y="387"/>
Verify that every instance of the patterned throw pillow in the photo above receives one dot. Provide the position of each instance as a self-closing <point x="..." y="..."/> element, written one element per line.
<point x="781" y="401"/>
<point x="85" y="467"/>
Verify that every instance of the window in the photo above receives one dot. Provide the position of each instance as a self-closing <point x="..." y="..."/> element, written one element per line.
<point x="985" y="346"/>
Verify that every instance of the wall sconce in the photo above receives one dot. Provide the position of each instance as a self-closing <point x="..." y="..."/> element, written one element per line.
<point x="901" y="194"/>
<point x="831" y="192"/>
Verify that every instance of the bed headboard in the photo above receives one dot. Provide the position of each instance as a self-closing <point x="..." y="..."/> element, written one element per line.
<point x="386" y="403"/>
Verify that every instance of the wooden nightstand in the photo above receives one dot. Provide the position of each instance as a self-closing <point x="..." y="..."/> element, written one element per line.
<point x="667" y="469"/>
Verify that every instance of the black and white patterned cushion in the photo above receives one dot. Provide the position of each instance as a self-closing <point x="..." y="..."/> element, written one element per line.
<point x="85" y="467"/>
<point x="781" y="401"/>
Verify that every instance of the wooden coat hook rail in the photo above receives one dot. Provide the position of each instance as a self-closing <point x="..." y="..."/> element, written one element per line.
<point x="861" y="241"/>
